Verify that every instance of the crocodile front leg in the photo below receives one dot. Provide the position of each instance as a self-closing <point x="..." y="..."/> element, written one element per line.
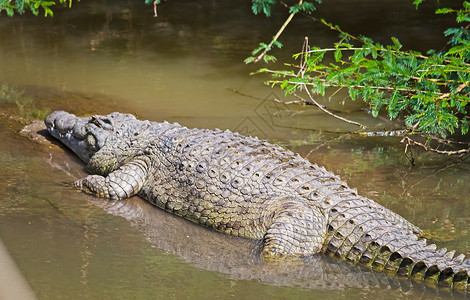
<point x="120" y="184"/>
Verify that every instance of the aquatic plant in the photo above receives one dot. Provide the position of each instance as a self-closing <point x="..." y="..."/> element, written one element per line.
<point x="24" y="105"/>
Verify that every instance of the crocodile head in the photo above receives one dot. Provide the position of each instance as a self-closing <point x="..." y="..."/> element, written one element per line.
<point x="86" y="136"/>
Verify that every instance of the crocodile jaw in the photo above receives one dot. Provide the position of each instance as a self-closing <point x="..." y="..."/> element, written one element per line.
<point x="71" y="131"/>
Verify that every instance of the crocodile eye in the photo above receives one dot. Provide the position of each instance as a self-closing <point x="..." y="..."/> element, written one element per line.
<point x="102" y="122"/>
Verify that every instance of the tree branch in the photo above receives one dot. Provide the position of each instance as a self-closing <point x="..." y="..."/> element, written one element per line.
<point x="277" y="35"/>
<point x="155" y="8"/>
<point x="410" y="142"/>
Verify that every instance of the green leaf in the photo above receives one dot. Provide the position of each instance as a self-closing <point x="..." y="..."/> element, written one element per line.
<point x="396" y="44"/>
<point x="10" y="11"/>
<point x="315" y="57"/>
<point x="352" y="93"/>
<point x="462" y="17"/>
<point x="443" y="11"/>
<point x="249" y="59"/>
<point x="338" y="55"/>
<point x="417" y="3"/>
<point x="262" y="6"/>
<point x="458" y="49"/>
<point x="48" y="11"/>
<point x="464" y="126"/>
<point x="261" y="47"/>
<point x="277" y="44"/>
<point x="268" y="58"/>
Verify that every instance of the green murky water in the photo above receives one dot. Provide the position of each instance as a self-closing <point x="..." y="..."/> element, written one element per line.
<point x="186" y="66"/>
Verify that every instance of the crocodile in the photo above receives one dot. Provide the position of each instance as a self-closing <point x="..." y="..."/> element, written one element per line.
<point x="251" y="188"/>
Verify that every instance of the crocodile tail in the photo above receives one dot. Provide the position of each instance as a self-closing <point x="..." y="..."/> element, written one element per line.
<point x="433" y="267"/>
<point x="397" y="253"/>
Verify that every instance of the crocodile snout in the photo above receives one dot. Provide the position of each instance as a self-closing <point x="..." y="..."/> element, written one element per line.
<point x="60" y="121"/>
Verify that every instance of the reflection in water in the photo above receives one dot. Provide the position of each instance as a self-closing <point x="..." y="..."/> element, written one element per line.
<point x="240" y="258"/>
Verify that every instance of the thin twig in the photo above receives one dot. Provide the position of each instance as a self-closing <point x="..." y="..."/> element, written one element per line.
<point x="458" y="90"/>
<point x="327" y="111"/>
<point x="427" y="148"/>
<point x="411" y="157"/>
<point x="444" y="141"/>
<point x="334" y="49"/>
<point x="302" y="101"/>
<point x="303" y="64"/>
<point x="277" y="35"/>
<point x="354" y="86"/>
